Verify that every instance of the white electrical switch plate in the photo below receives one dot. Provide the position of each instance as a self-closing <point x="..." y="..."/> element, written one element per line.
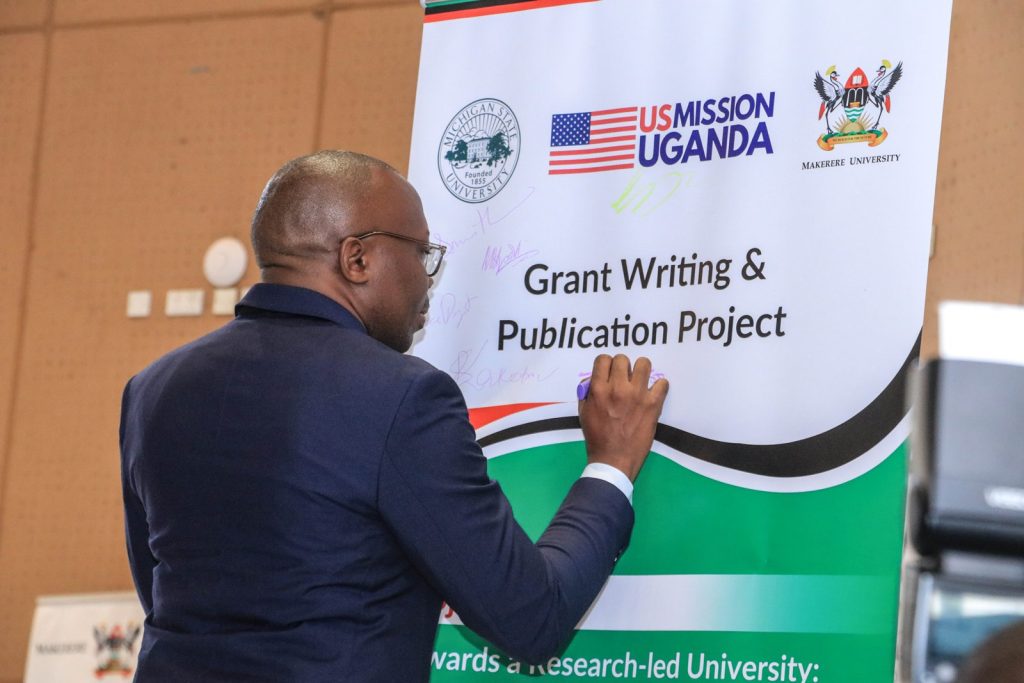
<point x="224" y="301"/>
<point x="181" y="302"/>
<point x="140" y="303"/>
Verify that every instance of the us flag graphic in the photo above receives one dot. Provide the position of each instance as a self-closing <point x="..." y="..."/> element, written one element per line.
<point x="588" y="142"/>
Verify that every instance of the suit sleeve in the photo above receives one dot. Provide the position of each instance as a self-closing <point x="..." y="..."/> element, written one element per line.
<point x="140" y="559"/>
<point x="456" y="525"/>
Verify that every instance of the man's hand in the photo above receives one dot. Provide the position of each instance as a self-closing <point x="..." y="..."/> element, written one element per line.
<point x="620" y="413"/>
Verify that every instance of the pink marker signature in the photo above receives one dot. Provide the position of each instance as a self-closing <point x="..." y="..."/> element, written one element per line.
<point x="465" y="372"/>
<point x="450" y="309"/>
<point x="501" y="257"/>
<point x="484" y="221"/>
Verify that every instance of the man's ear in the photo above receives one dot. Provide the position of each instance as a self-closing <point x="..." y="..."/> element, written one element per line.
<point x="353" y="260"/>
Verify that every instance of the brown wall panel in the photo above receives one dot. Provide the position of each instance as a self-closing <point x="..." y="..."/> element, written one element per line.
<point x="157" y="136"/>
<point x="74" y="11"/>
<point x="22" y="13"/>
<point x="979" y="203"/>
<point x="21" y="79"/>
<point x="372" y="65"/>
<point x="158" y="140"/>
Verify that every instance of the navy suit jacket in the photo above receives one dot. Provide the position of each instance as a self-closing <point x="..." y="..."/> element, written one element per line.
<point x="300" y="498"/>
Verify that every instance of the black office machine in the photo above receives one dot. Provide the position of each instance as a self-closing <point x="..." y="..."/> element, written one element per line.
<point x="966" y="514"/>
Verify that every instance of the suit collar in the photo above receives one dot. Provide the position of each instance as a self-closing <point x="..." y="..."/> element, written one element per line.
<point x="297" y="301"/>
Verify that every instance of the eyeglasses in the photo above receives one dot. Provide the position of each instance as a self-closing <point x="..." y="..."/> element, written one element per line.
<point x="432" y="254"/>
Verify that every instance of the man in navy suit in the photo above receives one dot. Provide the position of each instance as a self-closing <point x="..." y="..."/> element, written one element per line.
<point x="300" y="496"/>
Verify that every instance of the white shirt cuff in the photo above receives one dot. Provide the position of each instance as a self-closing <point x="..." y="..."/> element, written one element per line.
<point x="612" y="475"/>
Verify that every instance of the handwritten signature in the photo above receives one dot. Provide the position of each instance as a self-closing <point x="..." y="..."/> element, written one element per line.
<point x="451" y="308"/>
<point x="655" y="376"/>
<point x="463" y="369"/>
<point x="483" y="222"/>
<point x="634" y="197"/>
<point x="501" y="257"/>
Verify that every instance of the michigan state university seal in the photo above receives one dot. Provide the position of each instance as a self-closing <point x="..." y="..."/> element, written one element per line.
<point x="479" y="150"/>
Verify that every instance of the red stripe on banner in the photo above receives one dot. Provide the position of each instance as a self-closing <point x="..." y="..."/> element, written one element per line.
<point x="596" y="160"/>
<point x="499" y="9"/>
<point x="478" y="417"/>
<point x="622" y="110"/>
<point x="561" y="171"/>
<point x="594" y="150"/>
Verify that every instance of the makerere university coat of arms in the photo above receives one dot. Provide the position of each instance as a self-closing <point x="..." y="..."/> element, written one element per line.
<point x="853" y="110"/>
<point x="114" y="648"/>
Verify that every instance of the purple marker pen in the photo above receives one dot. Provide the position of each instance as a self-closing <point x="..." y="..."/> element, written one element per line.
<point x="582" y="389"/>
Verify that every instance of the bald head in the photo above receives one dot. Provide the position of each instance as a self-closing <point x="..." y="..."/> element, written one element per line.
<point x="310" y="204"/>
<point x="350" y="227"/>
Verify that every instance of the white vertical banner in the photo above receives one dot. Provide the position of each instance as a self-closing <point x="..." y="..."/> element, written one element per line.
<point x="743" y="193"/>
<point x="86" y="637"/>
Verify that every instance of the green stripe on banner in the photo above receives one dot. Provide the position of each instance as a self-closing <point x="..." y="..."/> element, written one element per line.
<point x="719" y="581"/>
<point x="689" y="524"/>
<point x="482" y="7"/>
<point x="450" y="5"/>
<point x="443" y="3"/>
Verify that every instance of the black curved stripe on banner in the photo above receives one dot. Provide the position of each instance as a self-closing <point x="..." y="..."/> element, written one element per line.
<point x="553" y="424"/>
<point x="813" y="455"/>
<point x="474" y="4"/>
